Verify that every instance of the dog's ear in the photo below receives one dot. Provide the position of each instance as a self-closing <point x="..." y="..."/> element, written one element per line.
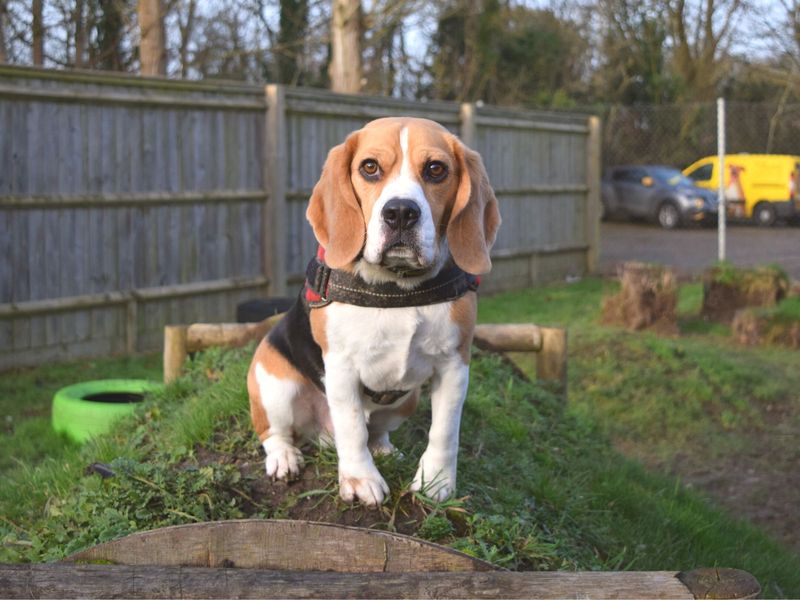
<point x="334" y="211"/>
<point x="475" y="216"/>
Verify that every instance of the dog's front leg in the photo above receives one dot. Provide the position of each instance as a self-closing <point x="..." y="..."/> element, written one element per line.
<point x="358" y="476"/>
<point x="436" y="475"/>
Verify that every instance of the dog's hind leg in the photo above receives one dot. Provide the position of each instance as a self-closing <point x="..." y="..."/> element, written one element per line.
<point x="382" y="421"/>
<point x="276" y="390"/>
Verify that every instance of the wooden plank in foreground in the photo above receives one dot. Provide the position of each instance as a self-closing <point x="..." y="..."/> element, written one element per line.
<point x="280" y="545"/>
<point x="65" y="580"/>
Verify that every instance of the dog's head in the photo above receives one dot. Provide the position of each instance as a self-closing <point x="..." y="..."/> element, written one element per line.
<point x="401" y="195"/>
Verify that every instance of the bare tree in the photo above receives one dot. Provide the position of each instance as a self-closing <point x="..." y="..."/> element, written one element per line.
<point x="152" y="43"/>
<point x="290" y="45"/>
<point x="385" y="55"/>
<point x="186" y="25"/>
<point x="345" y="67"/>
<point x="701" y="33"/>
<point x="37" y="32"/>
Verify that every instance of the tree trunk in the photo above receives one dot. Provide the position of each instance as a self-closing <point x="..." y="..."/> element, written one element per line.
<point x="38" y="32"/>
<point x="152" y="51"/>
<point x="345" y="67"/>
<point x="108" y="53"/>
<point x="186" y="29"/>
<point x="80" y="34"/>
<point x="3" y="51"/>
<point x="293" y="27"/>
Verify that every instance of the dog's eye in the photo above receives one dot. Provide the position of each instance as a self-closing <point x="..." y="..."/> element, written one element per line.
<point x="435" y="171"/>
<point x="370" y="169"/>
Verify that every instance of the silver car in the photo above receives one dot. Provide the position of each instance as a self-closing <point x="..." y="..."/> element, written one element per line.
<point x="656" y="193"/>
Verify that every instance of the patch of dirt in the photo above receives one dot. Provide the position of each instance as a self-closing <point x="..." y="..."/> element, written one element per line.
<point x="313" y="496"/>
<point x="647" y="300"/>
<point x="757" y="477"/>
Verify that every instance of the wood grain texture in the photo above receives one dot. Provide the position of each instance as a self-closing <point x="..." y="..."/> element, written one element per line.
<point x="510" y="337"/>
<point x="551" y="363"/>
<point x="117" y="581"/>
<point x="281" y="545"/>
<point x="719" y="583"/>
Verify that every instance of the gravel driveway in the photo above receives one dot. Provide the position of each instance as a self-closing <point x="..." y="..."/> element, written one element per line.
<point x="693" y="249"/>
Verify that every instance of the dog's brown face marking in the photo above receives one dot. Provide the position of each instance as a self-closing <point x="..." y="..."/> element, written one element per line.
<point x="431" y="157"/>
<point x="404" y="157"/>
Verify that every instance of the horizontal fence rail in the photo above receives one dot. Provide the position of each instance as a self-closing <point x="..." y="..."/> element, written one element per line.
<point x="127" y="203"/>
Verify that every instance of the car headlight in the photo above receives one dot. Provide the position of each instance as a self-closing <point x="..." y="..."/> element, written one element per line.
<point x="698" y="202"/>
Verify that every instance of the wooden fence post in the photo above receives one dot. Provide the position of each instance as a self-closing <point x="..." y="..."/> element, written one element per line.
<point x="275" y="223"/>
<point x="551" y="362"/>
<point x="174" y="351"/>
<point x="593" y="204"/>
<point x="467" y="116"/>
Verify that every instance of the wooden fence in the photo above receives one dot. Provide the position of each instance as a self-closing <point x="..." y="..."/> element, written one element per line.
<point x="129" y="203"/>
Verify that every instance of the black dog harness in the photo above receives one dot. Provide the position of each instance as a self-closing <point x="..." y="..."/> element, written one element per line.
<point x="292" y="336"/>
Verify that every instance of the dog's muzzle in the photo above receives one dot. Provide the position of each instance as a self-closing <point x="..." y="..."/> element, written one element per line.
<point x="401" y="253"/>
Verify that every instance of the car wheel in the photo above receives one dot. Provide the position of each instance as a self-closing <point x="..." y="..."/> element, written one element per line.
<point x="84" y="410"/>
<point x="764" y="214"/>
<point x="669" y="217"/>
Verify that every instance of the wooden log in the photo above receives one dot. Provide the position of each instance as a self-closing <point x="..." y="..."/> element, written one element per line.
<point x="513" y="337"/>
<point x="281" y="545"/>
<point x="720" y="583"/>
<point x="180" y="340"/>
<point x="550" y="342"/>
<point x="175" y="351"/>
<point x="65" y="580"/>
<point x="551" y="364"/>
<point x="200" y="336"/>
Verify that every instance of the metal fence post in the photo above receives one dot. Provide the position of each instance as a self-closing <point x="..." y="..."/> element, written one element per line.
<point x="721" y="205"/>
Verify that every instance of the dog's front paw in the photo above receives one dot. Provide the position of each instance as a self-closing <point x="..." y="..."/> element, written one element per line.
<point x="366" y="485"/>
<point x="436" y="479"/>
<point x="284" y="461"/>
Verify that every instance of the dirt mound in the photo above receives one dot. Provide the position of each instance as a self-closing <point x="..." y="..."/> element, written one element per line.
<point x="727" y="289"/>
<point x="313" y="496"/>
<point x="647" y="300"/>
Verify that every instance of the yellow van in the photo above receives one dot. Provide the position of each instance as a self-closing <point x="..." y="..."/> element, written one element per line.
<point x="761" y="187"/>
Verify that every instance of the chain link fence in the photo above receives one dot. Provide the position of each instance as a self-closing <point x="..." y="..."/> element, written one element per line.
<point x="678" y="135"/>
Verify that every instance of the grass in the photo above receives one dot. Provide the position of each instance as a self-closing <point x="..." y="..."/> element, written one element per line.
<point x="541" y="484"/>
<point x="26" y="396"/>
<point x="655" y="393"/>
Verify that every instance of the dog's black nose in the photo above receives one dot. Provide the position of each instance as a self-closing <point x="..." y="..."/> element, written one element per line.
<point x="400" y="213"/>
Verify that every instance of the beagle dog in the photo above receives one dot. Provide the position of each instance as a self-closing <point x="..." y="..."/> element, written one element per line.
<point x="405" y="218"/>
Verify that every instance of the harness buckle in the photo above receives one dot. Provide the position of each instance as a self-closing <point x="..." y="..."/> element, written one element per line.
<point x="321" y="277"/>
<point x="317" y="276"/>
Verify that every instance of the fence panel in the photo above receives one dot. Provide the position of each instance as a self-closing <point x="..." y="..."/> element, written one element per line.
<point x="130" y="203"/>
<point x="124" y="199"/>
<point x="537" y="163"/>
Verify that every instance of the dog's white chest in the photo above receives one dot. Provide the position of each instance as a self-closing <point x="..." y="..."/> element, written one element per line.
<point x="392" y="348"/>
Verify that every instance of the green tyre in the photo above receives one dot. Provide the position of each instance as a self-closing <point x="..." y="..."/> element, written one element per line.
<point x="84" y="410"/>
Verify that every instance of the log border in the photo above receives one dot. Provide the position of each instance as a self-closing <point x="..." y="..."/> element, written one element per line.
<point x="64" y="580"/>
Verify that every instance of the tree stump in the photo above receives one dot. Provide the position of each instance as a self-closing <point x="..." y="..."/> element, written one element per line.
<point x="727" y="289"/>
<point x="647" y="300"/>
<point x="755" y="327"/>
